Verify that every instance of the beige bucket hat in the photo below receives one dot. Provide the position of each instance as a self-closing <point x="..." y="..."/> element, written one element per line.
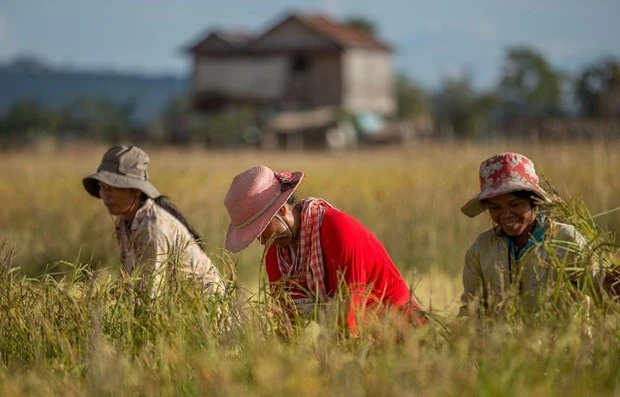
<point x="124" y="167"/>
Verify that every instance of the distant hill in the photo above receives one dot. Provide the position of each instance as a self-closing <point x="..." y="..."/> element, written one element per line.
<point x="53" y="87"/>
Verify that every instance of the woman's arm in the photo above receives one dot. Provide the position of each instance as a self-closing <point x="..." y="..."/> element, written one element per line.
<point x="472" y="281"/>
<point x="154" y="256"/>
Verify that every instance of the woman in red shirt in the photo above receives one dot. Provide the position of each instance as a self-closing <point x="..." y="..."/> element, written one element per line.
<point x="313" y="248"/>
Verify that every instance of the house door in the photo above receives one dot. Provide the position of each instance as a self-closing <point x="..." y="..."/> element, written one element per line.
<point x="298" y="92"/>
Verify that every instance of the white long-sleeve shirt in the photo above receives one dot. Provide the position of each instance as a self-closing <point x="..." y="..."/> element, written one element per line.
<point x="160" y="246"/>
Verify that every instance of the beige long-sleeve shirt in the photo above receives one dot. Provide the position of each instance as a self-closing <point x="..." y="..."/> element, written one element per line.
<point x="492" y="276"/>
<point x="160" y="246"/>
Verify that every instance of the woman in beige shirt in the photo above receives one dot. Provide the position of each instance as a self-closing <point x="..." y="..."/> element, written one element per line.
<point x="154" y="239"/>
<point x="520" y="257"/>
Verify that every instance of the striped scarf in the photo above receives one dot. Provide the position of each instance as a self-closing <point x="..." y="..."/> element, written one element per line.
<point x="307" y="267"/>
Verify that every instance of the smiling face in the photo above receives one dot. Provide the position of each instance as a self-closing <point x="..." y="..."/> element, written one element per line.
<point x="120" y="202"/>
<point x="513" y="214"/>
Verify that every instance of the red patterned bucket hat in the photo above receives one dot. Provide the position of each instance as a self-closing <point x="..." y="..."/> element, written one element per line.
<point x="504" y="173"/>
<point x="253" y="199"/>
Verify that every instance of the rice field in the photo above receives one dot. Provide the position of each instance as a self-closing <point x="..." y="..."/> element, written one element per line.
<point x="77" y="334"/>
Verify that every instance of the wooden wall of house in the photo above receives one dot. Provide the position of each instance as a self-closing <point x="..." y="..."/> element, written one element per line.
<point x="242" y="77"/>
<point x="326" y="86"/>
<point x="318" y="83"/>
<point x="368" y="81"/>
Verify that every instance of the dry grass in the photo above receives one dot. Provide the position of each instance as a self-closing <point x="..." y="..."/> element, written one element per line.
<point x="410" y="197"/>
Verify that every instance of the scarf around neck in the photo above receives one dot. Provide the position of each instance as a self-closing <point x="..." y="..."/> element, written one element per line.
<point x="306" y="267"/>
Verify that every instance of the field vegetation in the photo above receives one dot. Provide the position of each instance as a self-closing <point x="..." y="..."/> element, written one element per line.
<point x="69" y="326"/>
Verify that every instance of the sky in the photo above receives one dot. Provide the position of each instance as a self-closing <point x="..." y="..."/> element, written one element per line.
<point x="432" y="39"/>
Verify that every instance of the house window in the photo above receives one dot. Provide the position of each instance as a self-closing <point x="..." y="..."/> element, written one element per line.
<point x="300" y="64"/>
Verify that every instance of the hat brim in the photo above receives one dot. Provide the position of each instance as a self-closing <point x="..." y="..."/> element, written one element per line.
<point x="238" y="238"/>
<point x="91" y="183"/>
<point x="476" y="206"/>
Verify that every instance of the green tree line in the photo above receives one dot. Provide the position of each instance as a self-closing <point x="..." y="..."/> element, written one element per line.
<point x="530" y="91"/>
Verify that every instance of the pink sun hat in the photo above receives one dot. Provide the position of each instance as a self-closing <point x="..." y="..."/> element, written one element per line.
<point x="253" y="199"/>
<point x="504" y="173"/>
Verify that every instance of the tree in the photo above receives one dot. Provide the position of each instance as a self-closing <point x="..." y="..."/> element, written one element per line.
<point x="101" y="119"/>
<point x="466" y="112"/>
<point x="174" y="120"/>
<point x="362" y="23"/>
<point x="25" y="121"/>
<point x="412" y="99"/>
<point x="530" y="88"/>
<point x="597" y="89"/>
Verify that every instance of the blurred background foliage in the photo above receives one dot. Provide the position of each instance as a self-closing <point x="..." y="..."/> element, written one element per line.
<point x="531" y="99"/>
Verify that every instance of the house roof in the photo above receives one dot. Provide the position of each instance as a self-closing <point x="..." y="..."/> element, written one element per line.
<point x="342" y="35"/>
<point x="237" y="39"/>
<point x="222" y="41"/>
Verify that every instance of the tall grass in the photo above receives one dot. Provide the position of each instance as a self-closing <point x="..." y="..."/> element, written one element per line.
<point x="86" y="335"/>
<point x="69" y="326"/>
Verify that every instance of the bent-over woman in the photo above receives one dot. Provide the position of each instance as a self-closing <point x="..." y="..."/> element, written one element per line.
<point x="313" y="249"/>
<point x="153" y="237"/>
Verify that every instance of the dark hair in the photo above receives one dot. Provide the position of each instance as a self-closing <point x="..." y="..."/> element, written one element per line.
<point x="526" y="194"/>
<point x="292" y="199"/>
<point x="165" y="203"/>
<point x="523" y="194"/>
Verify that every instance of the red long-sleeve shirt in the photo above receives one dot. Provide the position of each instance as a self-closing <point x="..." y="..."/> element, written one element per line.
<point x="353" y="253"/>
